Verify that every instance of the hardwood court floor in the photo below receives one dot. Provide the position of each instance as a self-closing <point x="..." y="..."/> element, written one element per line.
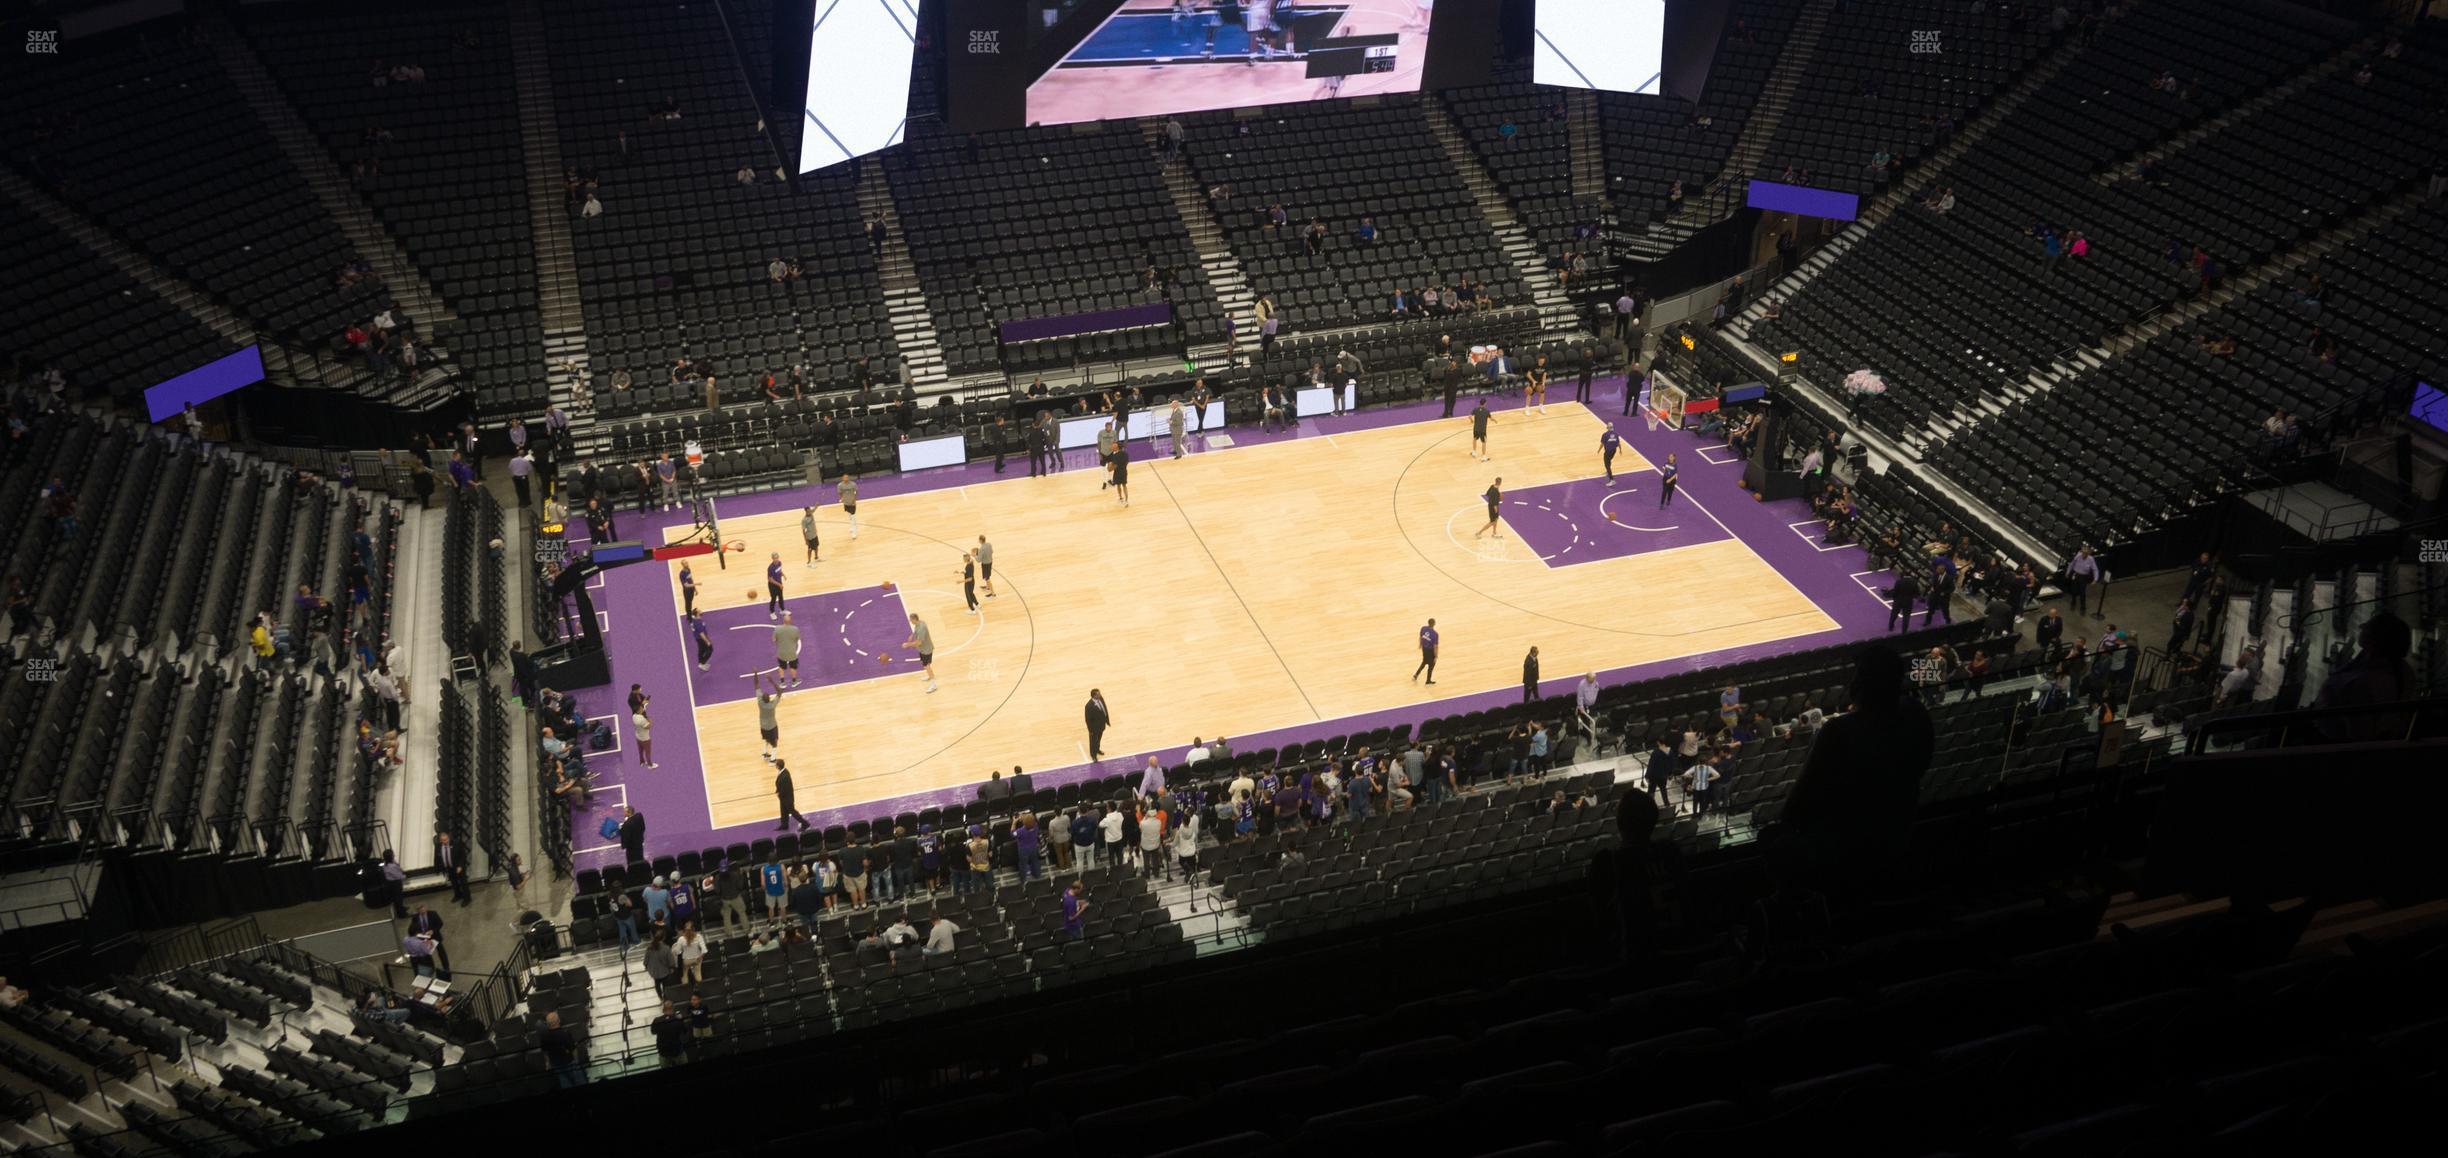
<point x="1259" y="587"/>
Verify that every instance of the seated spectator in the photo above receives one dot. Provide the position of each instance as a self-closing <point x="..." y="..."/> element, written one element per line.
<point x="11" y="996"/>
<point x="939" y="938"/>
<point x="745" y="176"/>
<point x="1366" y="234"/>
<point x="2237" y="685"/>
<point x="380" y="1005"/>
<point x="2378" y="674"/>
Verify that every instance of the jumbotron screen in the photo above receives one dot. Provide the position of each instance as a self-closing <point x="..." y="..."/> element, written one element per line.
<point x="1158" y="56"/>
<point x="1614" y="45"/>
<point x="1043" y="63"/>
<point x="858" y="78"/>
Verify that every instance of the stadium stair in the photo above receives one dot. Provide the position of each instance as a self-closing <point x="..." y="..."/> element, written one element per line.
<point x="283" y="364"/>
<point x="1729" y="191"/>
<point x="565" y="352"/>
<point x="323" y="178"/>
<point x="1910" y="186"/>
<point x="1556" y="315"/>
<point x="904" y="301"/>
<point x="1215" y="254"/>
<point x="1588" y="153"/>
<point x="297" y="141"/>
<point x="2335" y="62"/>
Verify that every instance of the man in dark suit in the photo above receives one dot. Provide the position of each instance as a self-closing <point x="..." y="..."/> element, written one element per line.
<point x="633" y="835"/>
<point x="452" y="860"/>
<point x="1099" y="718"/>
<point x="1020" y="783"/>
<point x="1530" y="677"/>
<point x="1900" y="598"/>
<point x="1589" y="368"/>
<point x="1448" y="377"/>
<point x="427" y="923"/>
<point x="994" y="789"/>
<point x="787" y="795"/>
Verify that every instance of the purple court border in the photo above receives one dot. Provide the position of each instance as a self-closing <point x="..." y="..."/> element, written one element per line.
<point x="638" y="608"/>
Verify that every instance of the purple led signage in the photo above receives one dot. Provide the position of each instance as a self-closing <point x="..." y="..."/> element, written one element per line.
<point x="1802" y="199"/>
<point x="205" y="383"/>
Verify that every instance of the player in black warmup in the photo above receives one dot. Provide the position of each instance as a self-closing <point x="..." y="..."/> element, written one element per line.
<point x="1495" y="499"/>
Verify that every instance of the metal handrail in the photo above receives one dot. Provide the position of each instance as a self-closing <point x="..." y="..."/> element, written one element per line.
<point x="2287" y="723"/>
<point x="2290" y="619"/>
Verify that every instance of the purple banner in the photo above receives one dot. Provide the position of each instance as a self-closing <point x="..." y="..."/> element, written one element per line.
<point x="1804" y="200"/>
<point x="205" y="383"/>
<point x="1093" y="322"/>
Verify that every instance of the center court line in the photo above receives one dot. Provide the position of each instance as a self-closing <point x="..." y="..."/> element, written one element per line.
<point x="1236" y="593"/>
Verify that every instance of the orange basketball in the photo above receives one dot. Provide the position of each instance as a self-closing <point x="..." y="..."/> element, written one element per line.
<point x="883" y="659"/>
<point x="888" y="586"/>
<point x="752" y="595"/>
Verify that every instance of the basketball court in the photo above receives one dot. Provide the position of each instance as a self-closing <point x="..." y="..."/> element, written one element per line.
<point x="1265" y="587"/>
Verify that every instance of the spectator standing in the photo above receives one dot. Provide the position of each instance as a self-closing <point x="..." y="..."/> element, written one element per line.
<point x="670" y="1029"/>
<point x="660" y="963"/>
<point x="453" y="863"/>
<point x="1110" y="828"/>
<point x="1058" y="840"/>
<point x="1027" y="840"/>
<point x="644" y="727"/>
<point x="2081" y="571"/>
<point x="1075" y="910"/>
<point x="1851" y="811"/>
<point x="691" y="951"/>
<point x="1084" y="837"/>
<point x="561" y="1052"/>
<point x="1151" y="840"/>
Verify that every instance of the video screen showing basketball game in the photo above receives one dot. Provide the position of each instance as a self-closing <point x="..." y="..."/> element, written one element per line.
<point x="1152" y="57"/>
